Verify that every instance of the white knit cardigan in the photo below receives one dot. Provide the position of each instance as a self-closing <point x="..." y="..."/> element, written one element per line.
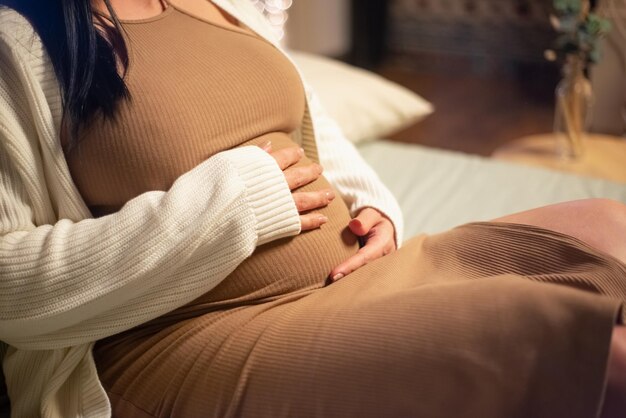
<point x="67" y="280"/>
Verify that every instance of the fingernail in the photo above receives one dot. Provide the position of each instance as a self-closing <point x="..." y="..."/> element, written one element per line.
<point x="338" y="276"/>
<point x="330" y="195"/>
<point x="322" y="219"/>
<point x="267" y="145"/>
<point x="301" y="151"/>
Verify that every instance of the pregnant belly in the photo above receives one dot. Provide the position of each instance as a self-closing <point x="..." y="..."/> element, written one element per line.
<point x="294" y="263"/>
<point x="281" y="267"/>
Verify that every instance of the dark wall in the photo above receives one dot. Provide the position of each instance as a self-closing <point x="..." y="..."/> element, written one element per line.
<point x="370" y="20"/>
<point x="489" y="33"/>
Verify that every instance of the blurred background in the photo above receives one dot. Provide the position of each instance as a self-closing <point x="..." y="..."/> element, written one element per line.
<point x="480" y="62"/>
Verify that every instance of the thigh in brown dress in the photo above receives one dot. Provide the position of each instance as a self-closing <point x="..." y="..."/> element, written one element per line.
<point x="486" y="320"/>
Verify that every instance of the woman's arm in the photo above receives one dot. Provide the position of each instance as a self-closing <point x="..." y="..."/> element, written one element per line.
<point x="344" y="167"/>
<point x="72" y="282"/>
<point x="161" y="250"/>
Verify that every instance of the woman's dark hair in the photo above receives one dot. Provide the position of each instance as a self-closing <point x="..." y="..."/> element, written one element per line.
<point x="88" y="54"/>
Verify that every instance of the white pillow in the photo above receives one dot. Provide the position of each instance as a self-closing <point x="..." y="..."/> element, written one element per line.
<point x="365" y="105"/>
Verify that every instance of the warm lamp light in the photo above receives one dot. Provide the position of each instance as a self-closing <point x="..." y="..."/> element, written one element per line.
<point x="276" y="13"/>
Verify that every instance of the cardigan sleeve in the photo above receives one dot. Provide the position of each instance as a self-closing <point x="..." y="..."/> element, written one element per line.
<point x="67" y="282"/>
<point x="347" y="171"/>
<point x="160" y="251"/>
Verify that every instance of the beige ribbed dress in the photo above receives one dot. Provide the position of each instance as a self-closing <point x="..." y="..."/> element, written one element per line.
<point x="487" y="320"/>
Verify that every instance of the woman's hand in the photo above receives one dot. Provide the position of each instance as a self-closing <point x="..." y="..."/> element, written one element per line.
<point x="379" y="236"/>
<point x="300" y="176"/>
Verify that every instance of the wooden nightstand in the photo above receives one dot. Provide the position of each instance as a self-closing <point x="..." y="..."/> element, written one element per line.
<point x="603" y="156"/>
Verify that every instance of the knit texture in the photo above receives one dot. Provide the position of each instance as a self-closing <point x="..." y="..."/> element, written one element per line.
<point x="68" y="280"/>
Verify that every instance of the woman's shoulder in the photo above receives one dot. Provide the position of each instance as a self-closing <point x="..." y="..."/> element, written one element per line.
<point x="17" y="35"/>
<point x="27" y="82"/>
<point x="11" y="19"/>
<point x="23" y="55"/>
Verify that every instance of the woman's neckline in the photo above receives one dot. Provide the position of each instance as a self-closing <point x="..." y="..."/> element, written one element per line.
<point x="170" y="8"/>
<point x="166" y="11"/>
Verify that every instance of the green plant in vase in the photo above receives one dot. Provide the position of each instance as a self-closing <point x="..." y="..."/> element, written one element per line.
<point x="577" y="45"/>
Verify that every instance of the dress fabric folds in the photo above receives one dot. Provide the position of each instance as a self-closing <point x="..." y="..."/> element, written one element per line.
<point x="486" y="320"/>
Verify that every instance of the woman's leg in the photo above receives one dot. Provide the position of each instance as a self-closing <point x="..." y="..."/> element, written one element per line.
<point x="600" y="223"/>
<point x="431" y="330"/>
<point x="457" y="324"/>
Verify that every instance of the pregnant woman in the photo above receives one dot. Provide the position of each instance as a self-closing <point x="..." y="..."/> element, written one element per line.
<point x="185" y="233"/>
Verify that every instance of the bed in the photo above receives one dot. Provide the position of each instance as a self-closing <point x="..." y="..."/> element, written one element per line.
<point x="436" y="189"/>
<point x="439" y="189"/>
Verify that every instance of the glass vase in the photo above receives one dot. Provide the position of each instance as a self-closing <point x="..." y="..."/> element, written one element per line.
<point x="573" y="103"/>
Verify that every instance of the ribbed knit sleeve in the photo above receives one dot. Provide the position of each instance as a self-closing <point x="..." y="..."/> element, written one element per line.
<point x="160" y="251"/>
<point x="96" y="277"/>
<point x="356" y="181"/>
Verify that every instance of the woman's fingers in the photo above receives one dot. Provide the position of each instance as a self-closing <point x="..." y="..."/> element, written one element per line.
<point x="296" y="177"/>
<point x="375" y="248"/>
<point x="301" y="176"/>
<point x="313" y="200"/>
<point x="306" y="201"/>
<point x="312" y="221"/>
<point x="379" y="243"/>
<point x="287" y="157"/>
<point x="363" y="223"/>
